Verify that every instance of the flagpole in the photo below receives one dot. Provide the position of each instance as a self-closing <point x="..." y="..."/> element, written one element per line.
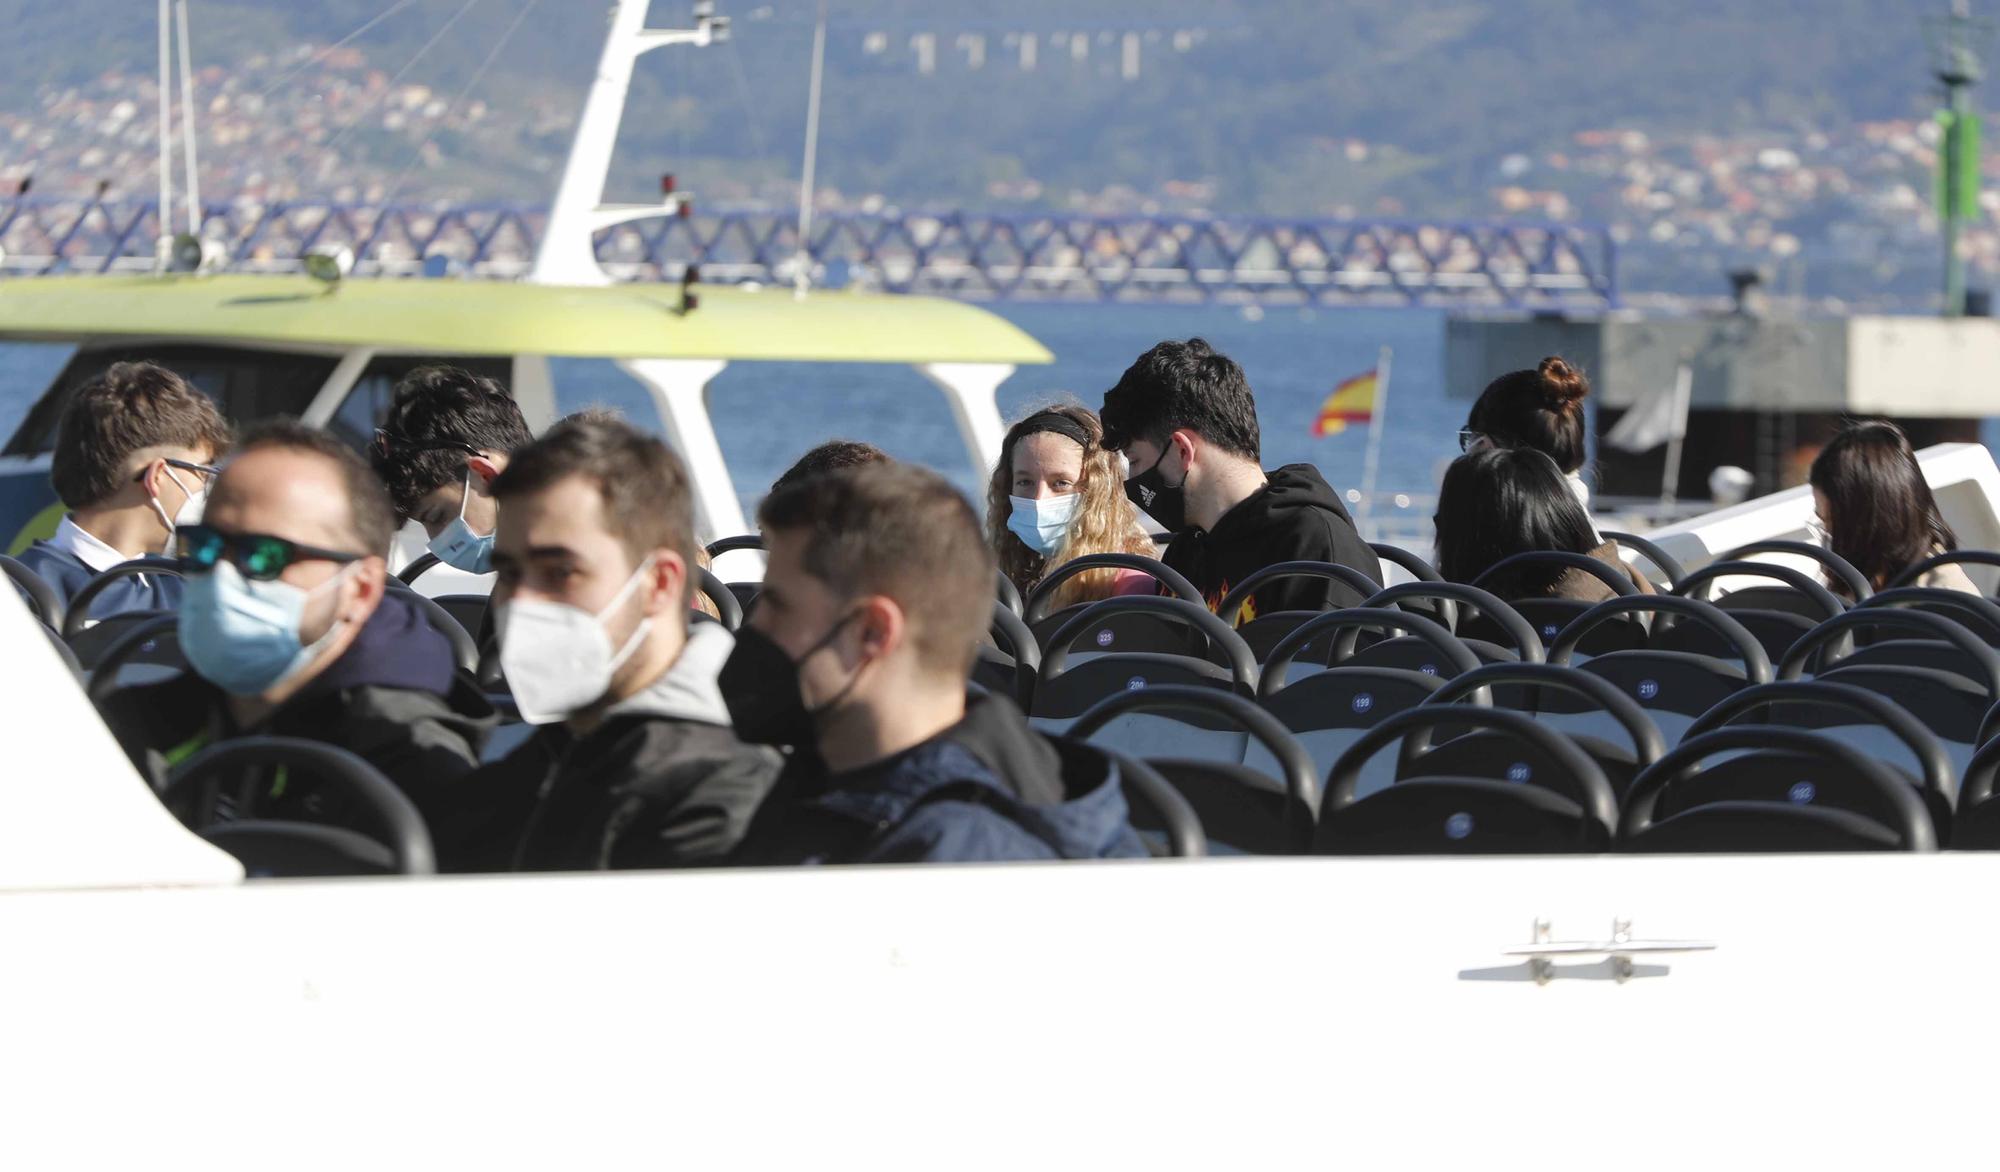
<point x="1371" y="461"/>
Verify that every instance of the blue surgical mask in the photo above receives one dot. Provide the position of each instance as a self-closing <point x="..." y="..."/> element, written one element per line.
<point x="458" y="546"/>
<point x="1041" y="524"/>
<point x="243" y="636"/>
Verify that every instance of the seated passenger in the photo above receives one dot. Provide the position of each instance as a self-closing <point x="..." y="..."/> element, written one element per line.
<point x="1058" y="494"/>
<point x="291" y="633"/>
<point x="831" y="456"/>
<point x="1876" y="510"/>
<point x="1497" y="502"/>
<point x="857" y="656"/>
<point x="1540" y="409"/>
<point x="1185" y="420"/>
<point x="134" y="457"/>
<point x="635" y="764"/>
<point x="445" y="438"/>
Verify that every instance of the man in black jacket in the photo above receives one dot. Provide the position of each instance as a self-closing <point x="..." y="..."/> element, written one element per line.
<point x="1184" y="418"/>
<point x="635" y="764"/>
<point x="291" y="631"/>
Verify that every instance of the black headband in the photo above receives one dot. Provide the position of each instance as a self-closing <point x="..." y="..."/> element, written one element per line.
<point x="1057" y="422"/>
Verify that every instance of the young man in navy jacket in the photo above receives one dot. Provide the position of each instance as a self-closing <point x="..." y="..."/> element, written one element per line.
<point x="857" y="655"/>
<point x="135" y="453"/>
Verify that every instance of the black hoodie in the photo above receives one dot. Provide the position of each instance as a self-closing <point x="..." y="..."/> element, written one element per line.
<point x="1295" y="517"/>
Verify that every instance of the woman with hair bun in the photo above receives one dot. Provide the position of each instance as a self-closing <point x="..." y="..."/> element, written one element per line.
<point x="1540" y="409"/>
<point x="1876" y="509"/>
<point x="1057" y="494"/>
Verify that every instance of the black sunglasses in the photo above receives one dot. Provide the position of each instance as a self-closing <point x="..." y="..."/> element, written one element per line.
<point x="387" y="441"/>
<point x="259" y="556"/>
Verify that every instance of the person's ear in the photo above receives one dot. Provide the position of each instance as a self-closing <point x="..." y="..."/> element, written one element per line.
<point x="153" y="478"/>
<point x="484" y="470"/>
<point x="668" y="582"/>
<point x="1185" y="440"/>
<point x="362" y="592"/>
<point x="880" y="627"/>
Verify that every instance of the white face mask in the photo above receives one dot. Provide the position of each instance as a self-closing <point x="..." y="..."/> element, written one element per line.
<point x="1041" y="524"/>
<point x="192" y="504"/>
<point x="557" y="657"/>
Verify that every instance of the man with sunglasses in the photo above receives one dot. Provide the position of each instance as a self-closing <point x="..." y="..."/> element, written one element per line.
<point x="445" y="439"/>
<point x="134" y="456"/>
<point x="290" y="632"/>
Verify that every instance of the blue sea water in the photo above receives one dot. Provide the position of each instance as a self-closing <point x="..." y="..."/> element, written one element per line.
<point x="766" y="414"/>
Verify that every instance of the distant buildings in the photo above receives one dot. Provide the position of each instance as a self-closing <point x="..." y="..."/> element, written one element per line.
<point x="1843" y="211"/>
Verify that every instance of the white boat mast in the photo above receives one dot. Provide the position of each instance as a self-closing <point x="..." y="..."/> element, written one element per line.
<point x="802" y="260"/>
<point x="567" y="255"/>
<point x="187" y="120"/>
<point x="163" y="246"/>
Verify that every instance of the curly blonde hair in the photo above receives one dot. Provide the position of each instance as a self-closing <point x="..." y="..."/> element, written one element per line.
<point x="1105" y="520"/>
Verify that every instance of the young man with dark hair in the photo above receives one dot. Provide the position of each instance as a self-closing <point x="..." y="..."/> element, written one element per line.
<point x="857" y="656"/>
<point x="831" y="456"/>
<point x="635" y="764"/>
<point x="135" y="454"/>
<point x="445" y="439"/>
<point x="291" y="632"/>
<point x="1185" y="420"/>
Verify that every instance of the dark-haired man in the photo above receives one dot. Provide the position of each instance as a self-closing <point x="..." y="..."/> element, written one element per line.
<point x="635" y="764"/>
<point x="831" y="456"/>
<point x="857" y="656"/>
<point x="290" y="631"/>
<point x="445" y="439"/>
<point x="135" y="453"/>
<point x="1185" y="420"/>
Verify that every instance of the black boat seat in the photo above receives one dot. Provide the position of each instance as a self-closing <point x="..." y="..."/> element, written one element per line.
<point x="1565" y="807"/>
<point x="1767" y="788"/>
<point x="1244" y="809"/>
<point x="1068" y="687"/>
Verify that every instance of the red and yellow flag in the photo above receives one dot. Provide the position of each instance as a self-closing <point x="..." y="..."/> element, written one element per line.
<point x="1351" y="402"/>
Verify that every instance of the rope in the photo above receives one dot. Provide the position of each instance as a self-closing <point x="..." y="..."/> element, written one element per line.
<point x="389" y="197"/>
<point x="322" y="55"/>
<point x="749" y="106"/>
<point x="370" y="108"/>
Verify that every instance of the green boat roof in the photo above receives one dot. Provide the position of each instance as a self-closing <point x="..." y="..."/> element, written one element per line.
<point x="472" y="317"/>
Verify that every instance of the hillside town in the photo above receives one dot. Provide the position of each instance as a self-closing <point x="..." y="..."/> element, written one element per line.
<point x="1845" y="212"/>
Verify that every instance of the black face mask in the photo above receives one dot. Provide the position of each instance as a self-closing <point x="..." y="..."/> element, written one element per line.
<point x="1163" y="502"/>
<point x="760" y="686"/>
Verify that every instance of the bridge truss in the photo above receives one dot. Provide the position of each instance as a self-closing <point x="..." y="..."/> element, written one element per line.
<point x="1534" y="267"/>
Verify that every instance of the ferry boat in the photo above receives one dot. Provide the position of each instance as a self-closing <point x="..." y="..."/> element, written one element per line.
<point x="1652" y="1011"/>
<point x="330" y="348"/>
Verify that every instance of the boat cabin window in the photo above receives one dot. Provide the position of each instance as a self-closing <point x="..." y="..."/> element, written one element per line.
<point x="367" y="402"/>
<point x="247" y="385"/>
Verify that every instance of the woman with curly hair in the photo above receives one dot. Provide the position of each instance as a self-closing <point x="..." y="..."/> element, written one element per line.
<point x="1058" y="494"/>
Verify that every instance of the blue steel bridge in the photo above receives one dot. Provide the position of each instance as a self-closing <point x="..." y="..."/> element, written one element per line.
<point x="1050" y="256"/>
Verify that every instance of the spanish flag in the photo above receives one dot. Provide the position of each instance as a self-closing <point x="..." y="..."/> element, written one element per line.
<point x="1351" y="402"/>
